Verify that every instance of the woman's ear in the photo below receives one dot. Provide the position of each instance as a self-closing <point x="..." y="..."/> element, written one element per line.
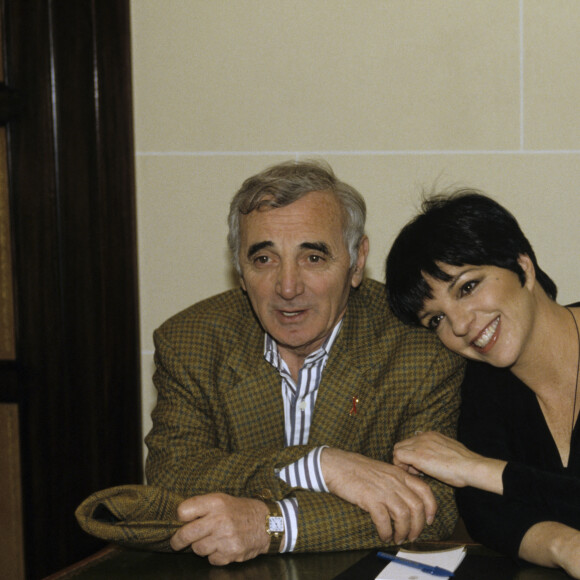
<point x="527" y="267"/>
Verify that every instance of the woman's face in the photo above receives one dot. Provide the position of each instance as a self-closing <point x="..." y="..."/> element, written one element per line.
<point x="483" y="312"/>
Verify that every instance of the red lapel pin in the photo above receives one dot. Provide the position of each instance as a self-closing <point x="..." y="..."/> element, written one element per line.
<point x="353" y="409"/>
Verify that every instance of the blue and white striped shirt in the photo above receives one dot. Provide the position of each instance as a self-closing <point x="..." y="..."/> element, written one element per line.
<point x="299" y="399"/>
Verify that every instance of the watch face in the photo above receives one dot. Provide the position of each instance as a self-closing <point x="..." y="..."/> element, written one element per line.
<point x="276" y="524"/>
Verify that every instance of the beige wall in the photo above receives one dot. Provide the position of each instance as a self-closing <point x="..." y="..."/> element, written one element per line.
<point x="398" y="95"/>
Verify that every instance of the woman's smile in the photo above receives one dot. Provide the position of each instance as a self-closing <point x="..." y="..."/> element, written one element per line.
<point x="488" y="337"/>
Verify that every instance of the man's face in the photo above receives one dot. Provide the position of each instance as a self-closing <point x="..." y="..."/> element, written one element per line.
<point x="296" y="270"/>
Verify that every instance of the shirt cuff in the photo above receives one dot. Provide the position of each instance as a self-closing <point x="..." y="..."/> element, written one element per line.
<point x="306" y="472"/>
<point x="289" y="507"/>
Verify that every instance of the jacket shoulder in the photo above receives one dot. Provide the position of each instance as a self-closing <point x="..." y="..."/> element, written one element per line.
<point x="376" y="331"/>
<point x="225" y="317"/>
<point x="370" y="316"/>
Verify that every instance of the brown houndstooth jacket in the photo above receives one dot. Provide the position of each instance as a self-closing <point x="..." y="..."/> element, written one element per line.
<point x="219" y="422"/>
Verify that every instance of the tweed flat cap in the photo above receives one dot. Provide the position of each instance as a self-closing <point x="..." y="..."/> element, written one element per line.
<point x="137" y="516"/>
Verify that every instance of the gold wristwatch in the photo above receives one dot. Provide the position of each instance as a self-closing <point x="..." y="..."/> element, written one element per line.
<point x="274" y="526"/>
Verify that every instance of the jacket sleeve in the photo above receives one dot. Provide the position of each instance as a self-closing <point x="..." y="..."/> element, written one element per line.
<point x="435" y="407"/>
<point x="328" y="523"/>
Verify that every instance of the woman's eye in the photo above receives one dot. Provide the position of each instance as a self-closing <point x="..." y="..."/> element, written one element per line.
<point x="434" y="321"/>
<point x="468" y="287"/>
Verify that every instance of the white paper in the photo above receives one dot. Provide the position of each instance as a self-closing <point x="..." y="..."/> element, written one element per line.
<point x="446" y="559"/>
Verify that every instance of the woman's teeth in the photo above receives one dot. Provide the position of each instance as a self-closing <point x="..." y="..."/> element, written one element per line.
<point x="484" y="339"/>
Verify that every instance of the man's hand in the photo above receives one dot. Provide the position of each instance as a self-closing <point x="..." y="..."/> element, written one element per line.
<point x="392" y="497"/>
<point x="222" y="527"/>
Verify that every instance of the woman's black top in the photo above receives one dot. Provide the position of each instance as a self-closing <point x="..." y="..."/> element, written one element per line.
<point x="501" y="418"/>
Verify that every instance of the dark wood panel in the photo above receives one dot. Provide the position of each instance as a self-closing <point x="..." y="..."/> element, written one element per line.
<point x="7" y="338"/>
<point x="73" y="212"/>
<point x="11" y="540"/>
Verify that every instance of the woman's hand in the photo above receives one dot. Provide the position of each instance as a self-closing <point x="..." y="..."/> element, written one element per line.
<point x="568" y="556"/>
<point x="449" y="461"/>
<point x="552" y="544"/>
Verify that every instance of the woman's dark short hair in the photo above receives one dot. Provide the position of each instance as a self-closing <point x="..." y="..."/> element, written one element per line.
<point x="457" y="228"/>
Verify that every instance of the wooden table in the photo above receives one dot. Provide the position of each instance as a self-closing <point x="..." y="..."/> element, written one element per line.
<point x="116" y="563"/>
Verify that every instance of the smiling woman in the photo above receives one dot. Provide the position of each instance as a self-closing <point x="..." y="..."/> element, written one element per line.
<point x="478" y="286"/>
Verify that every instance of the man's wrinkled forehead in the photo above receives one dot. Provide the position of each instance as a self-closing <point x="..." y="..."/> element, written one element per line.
<point x="313" y="222"/>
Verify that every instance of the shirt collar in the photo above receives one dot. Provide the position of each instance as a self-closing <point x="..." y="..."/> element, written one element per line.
<point x="272" y="354"/>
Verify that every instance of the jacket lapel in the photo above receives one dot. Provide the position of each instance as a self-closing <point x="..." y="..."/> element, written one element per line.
<point x="254" y="404"/>
<point x="346" y="388"/>
<point x="337" y="417"/>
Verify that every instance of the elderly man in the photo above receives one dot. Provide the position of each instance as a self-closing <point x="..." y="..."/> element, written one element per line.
<point x="279" y="402"/>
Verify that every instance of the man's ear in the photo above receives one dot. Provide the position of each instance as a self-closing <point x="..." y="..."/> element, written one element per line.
<point x="527" y="266"/>
<point x="243" y="283"/>
<point x="359" y="268"/>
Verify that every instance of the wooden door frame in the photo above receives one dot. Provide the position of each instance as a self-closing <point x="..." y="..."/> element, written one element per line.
<point x="76" y="374"/>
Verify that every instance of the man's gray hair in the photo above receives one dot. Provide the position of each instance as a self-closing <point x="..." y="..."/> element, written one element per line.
<point x="285" y="183"/>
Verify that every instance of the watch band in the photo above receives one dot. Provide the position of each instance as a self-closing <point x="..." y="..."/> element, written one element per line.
<point x="274" y="526"/>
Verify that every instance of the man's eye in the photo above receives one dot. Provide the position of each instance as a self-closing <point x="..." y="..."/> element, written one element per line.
<point x="434" y="321"/>
<point x="315" y="259"/>
<point x="261" y="260"/>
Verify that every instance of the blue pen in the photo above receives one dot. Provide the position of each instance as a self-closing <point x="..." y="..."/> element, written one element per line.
<point x="433" y="570"/>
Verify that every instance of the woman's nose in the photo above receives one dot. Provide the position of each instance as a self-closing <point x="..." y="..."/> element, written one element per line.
<point x="460" y="319"/>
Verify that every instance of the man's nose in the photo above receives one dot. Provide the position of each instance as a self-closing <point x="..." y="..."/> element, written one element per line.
<point x="289" y="281"/>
